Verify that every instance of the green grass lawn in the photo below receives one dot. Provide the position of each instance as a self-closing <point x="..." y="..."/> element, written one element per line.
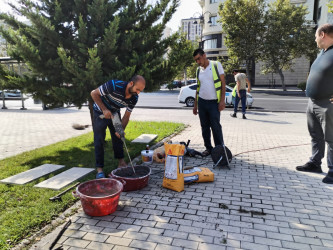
<point x="25" y="209"/>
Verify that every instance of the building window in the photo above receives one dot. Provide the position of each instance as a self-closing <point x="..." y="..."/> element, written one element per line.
<point x="213" y="19"/>
<point x="210" y="44"/>
<point x="319" y="13"/>
<point x="213" y="1"/>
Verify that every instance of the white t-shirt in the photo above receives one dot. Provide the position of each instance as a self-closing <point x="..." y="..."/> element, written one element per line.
<point x="241" y="78"/>
<point x="207" y="89"/>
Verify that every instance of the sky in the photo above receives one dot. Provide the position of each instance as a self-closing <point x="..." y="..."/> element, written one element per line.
<point x="186" y="9"/>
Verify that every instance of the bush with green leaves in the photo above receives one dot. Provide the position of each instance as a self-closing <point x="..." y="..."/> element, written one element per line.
<point x="170" y="86"/>
<point x="302" y="86"/>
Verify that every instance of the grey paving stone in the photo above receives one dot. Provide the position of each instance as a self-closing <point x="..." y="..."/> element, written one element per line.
<point x="175" y="234"/>
<point x="167" y="247"/>
<point x="294" y="245"/>
<point x="160" y="239"/>
<point x="118" y="241"/>
<point x="185" y="243"/>
<point x="74" y="233"/>
<point x="32" y="174"/>
<point x="113" y="232"/>
<point x="152" y="230"/>
<point x="207" y="246"/>
<point x="65" y="178"/>
<point x="91" y="229"/>
<point x="143" y="244"/>
<point x="95" y="237"/>
<point x="254" y="246"/>
<point x="76" y="242"/>
<point x="99" y="246"/>
<point x="129" y="227"/>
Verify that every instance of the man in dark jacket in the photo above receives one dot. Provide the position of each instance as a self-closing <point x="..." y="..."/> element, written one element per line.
<point x="319" y="89"/>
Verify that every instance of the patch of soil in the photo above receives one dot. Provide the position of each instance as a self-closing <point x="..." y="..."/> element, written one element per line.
<point x="127" y="172"/>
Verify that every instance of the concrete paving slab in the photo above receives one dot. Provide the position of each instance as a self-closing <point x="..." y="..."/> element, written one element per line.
<point x="65" y="178"/>
<point x="32" y="174"/>
<point x="145" y="138"/>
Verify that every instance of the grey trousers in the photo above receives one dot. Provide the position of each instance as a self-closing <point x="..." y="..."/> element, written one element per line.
<point x="320" y="125"/>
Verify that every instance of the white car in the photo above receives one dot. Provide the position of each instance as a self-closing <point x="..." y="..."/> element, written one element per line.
<point x="187" y="95"/>
<point x="11" y="94"/>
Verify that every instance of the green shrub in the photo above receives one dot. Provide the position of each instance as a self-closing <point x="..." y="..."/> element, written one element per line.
<point x="170" y="86"/>
<point x="302" y="86"/>
<point x="232" y="84"/>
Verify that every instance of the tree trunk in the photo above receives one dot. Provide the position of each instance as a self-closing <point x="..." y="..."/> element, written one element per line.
<point x="248" y="70"/>
<point x="253" y="72"/>
<point x="185" y="76"/>
<point x="282" y="80"/>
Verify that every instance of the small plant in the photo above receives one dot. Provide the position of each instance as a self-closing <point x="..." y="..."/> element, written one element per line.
<point x="170" y="86"/>
<point x="302" y="86"/>
<point x="232" y="84"/>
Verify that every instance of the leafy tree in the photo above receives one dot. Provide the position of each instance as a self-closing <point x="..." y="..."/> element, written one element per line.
<point x="231" y="63"/>
<point x="73" y="46"/>
<point x="287" y="37"/>
<point x="242" y="22"/>
<point x="330" y="6"/>
<point x="192" y="69"/>
<point x="179" y="56"/>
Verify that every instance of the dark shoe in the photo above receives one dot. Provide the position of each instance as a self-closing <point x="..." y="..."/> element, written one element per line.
<point x="205" y="153"/>
<point x="309" y="167"/>
<point x="100" y="175"/>
<point x="244" y="117"/>
<point x="234" y="115"/>
<point x="328" y="178"/>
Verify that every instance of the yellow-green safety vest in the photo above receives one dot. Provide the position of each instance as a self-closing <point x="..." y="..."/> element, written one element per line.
<point x="217" y="81"/>
<point x="234" y="91"/>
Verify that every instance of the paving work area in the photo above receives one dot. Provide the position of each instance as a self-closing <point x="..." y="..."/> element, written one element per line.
<point x="261" y="203"/>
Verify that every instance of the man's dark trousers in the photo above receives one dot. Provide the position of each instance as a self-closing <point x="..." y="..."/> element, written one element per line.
<point x="99" y="127"/>
<point x="242" y="98"/>
<point x="209" y="115"/>
<point x="320" y="125"/>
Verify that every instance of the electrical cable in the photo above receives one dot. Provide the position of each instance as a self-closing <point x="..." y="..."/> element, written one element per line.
<point x="264" y="149"/>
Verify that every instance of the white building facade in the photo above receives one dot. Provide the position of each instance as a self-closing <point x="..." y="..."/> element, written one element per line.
<point x="214" y="46"/>
<point x="192" y="28"/>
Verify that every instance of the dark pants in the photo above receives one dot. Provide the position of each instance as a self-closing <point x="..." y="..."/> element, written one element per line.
<point x="242" y="98"/>
<point x="99" y="127"/>
<point x="320" y="125"/>
<point x="209" y="115"/>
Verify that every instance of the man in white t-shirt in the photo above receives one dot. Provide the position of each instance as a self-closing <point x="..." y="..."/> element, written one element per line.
<point x="241" y="82"/>
<point x="210" y="98"/>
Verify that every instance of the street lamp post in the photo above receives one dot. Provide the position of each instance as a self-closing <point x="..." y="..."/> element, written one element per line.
<point x="202" y="22"/>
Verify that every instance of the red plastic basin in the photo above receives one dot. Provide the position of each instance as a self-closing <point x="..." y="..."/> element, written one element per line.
<point x="133" y="184"/>
<point x="99" y="197"/>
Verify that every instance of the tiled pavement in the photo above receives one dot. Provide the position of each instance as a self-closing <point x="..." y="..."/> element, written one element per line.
<point x="261" y="203"/>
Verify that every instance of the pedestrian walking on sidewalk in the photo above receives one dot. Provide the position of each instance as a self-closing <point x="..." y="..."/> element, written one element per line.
<point x="209" y="99"/>
<point x="110" y="98"/>
<point x="319" y="89"/>
<point x="241" y="81"/>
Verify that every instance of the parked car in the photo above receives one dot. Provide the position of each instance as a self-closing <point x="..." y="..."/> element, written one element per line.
<point x="191" y="81"/>
<point x="11" y="94"/>
<point x="177" y="83"/>
<point x="187" y="96"/>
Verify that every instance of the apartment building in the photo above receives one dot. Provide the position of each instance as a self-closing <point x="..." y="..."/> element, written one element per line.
<point x="192" y="27"/>
<point x="214" y="46"/>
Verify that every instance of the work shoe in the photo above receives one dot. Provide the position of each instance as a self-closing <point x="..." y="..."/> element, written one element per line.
<point x="234" y="115"/>
<point x="100" y="175"/>
<point x="328" y="178"/>
<point x="205" y="153"/>
<point x="309" y="167"/>
<point x="244" y="117"/>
